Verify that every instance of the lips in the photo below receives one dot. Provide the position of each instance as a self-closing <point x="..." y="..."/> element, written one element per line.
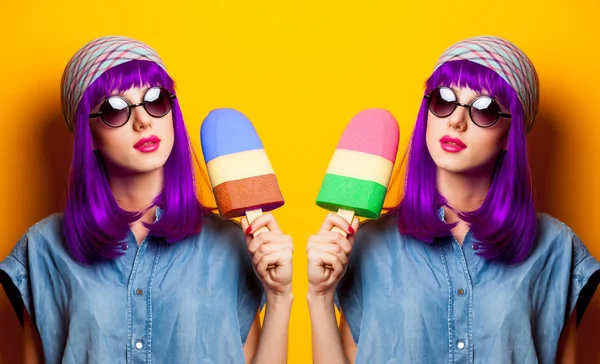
<point x="149" y="144"/>
<point x="452" y="145"/>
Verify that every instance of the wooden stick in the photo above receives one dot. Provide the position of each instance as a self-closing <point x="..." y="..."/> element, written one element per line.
<point x="348" y="215"/>
<point x="251" y="216"/>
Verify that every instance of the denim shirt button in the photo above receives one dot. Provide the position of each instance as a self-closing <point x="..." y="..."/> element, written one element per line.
<point x="460" y="292"/>
<point x="139" y="345"/>
<point x="460" y="344"/>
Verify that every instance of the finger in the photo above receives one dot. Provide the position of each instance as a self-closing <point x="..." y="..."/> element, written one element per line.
<point x="265" y="249"/>
<point x="334" y="220"/>
<point x="331" y="249"/>
<point x="244" y="223"/>
<point x="324" y="259"/>
<point x="332" y="237"/>
<point x="344" y="243"/>
<point x="265" y="220"/>
<point x="256" y="242"/>
<point x="277" y="258"/>
<point x="333" y="261"/>
<point x="326" y="237"/>
<point x="335" y="250"/>
<point x="277" y="262"/>
<point x="355" y="224"/>
<point x="269" y="238"/>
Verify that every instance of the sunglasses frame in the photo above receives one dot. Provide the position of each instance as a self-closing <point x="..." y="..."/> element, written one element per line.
<point x="131" y="106"/>
<point x="468" y="106"/>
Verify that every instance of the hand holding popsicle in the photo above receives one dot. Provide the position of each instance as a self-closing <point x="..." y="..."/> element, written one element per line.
<point x="328" y="254"/>
<point x="355" y="183"/>
<point x="271" y="253"/>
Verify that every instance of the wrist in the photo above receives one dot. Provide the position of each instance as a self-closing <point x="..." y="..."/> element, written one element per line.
<point x="285" y="297"/>
<point x="320" y="298"/>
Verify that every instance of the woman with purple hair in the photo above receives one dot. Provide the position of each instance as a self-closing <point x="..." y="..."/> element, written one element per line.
<point x="136" y="269"/>
<point x="464" y="270"/>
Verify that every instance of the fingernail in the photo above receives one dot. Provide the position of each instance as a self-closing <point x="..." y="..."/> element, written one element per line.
<point x="249" y="230"/>
<point x="350" y="230"/>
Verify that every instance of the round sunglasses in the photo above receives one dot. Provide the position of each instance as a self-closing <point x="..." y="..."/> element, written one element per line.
<point x="115" y="111"/>
<point x="484" y="110"/>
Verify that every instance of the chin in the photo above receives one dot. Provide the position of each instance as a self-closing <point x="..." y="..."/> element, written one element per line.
<point x="453" y="169"/>
<point x="149" y="166"/>
<point x="452" y="166"/>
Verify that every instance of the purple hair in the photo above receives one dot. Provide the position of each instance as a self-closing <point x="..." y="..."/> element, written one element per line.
<point x="505" y="225"/>
<point x="94" y="225"/>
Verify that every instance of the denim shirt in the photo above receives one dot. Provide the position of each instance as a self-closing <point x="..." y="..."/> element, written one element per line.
<point x="193" y="301"/>
<point x="407" y="301"/>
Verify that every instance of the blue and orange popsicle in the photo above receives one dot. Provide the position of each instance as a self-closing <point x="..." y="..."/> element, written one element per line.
<point x="239" y="169"/>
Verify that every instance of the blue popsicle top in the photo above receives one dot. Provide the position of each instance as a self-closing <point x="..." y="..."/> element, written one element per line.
<point x="226" y="131"/>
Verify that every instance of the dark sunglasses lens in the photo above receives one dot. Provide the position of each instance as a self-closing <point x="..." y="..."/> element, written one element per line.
<point x="442" y="101"/>
<point x="115" y="111"/>
<point x="157" y="102"/>
<point x="485" y="111"/>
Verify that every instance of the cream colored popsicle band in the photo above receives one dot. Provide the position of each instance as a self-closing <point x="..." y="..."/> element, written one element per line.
<point x="236" y="166"/>
<point x="359" y="165"/>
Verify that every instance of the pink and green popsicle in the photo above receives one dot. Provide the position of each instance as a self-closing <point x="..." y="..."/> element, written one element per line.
<point x="359" y="172"/>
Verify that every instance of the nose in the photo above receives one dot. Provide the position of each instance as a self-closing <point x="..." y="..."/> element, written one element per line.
<point x="459" y="117"/>
<point x="141" y="118"/>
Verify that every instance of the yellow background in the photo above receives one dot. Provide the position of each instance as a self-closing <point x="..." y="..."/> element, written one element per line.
<point x="299" y="70"/>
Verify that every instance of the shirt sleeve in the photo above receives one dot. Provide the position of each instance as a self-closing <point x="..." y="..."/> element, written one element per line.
<point x="15" y="279"/>
<point x="585" y="276"/>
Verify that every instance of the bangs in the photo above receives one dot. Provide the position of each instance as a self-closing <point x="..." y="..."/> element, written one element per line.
<point x="471" y="75"/>
<point x="127" y="76"/>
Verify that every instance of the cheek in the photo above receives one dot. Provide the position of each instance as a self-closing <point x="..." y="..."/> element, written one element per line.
<point x="99" y="138"/>
<point x="435" y="125"/>
<point x="167" y="130"/>
<point x="432" y="133"/>
<point x="488" y="145"/>
<point x="110" y="142"/>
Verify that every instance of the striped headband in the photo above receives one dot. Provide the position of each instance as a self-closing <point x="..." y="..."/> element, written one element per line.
<point x="95" y="58"/>
<point x="508" y="61"/>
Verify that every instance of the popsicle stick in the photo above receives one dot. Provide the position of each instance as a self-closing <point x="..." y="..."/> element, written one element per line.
<point x="348" y="215"/>
<point x="251" y="215"/>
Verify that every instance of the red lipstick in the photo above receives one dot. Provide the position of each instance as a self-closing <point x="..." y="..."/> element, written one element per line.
<point x="147" y="145"/>
<point x="452" y="145"/>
